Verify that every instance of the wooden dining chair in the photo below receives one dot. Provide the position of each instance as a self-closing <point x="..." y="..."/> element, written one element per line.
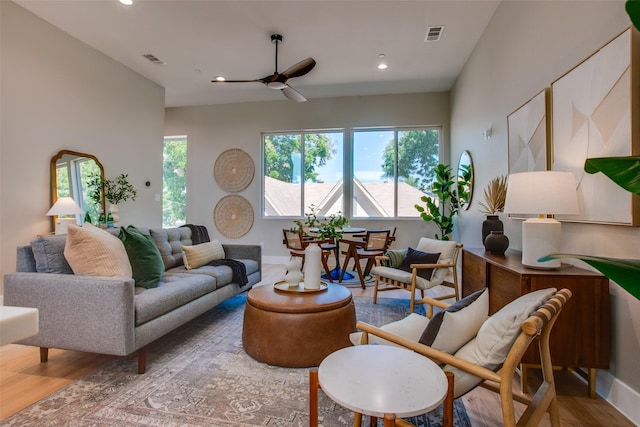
<point x="296" y="243"/>
<point x="375" y="244"/>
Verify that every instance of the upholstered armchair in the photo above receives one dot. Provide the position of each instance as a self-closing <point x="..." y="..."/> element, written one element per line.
<point x="481" y="350"/>
<point x="432" y="263"/>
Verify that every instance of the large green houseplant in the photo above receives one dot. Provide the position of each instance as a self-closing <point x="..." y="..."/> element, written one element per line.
<point x="443" y="207"/>
<point x="624" y="171"/>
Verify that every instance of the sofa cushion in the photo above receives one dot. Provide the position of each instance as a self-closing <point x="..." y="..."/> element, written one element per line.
<point x="222" y="273"/>
<point x="198" y="255"/>
<point x="146" y="263"/>
<point x="169" y="242"/>
<point x="173" y="291"/>
<point x="94" y="252"/>
<point x="496" y="336"/>
<point x="48" y="252"/>
<point x="450" y="329"/>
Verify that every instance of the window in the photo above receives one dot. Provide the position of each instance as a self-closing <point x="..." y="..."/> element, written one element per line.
<point x="174" y="181"/>
<point x="298" y="175"/>
<point x="392" y="169"/>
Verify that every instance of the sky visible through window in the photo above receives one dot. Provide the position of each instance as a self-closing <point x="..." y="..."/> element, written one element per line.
<point x="368" y="158"/>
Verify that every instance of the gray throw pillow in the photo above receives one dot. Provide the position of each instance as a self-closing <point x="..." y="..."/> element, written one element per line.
<point x="48" y="252"/>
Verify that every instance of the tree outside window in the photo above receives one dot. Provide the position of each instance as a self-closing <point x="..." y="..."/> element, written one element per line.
<point x="174" y="182"/>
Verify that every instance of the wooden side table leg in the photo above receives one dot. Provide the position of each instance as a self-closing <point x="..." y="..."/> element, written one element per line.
<point x="313" y="397"/>
<point x="447" y="407"/>
<point x="357" y="419"/>
<point x="592" y="383"/>
<point x="389" y="420"/>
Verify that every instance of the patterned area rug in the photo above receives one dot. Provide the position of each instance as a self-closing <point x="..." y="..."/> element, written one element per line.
<point x="199" y="375"/>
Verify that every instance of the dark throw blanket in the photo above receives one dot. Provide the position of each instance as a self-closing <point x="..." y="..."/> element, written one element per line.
<point x="238" y="269"/>
<point x="199" y="234"/>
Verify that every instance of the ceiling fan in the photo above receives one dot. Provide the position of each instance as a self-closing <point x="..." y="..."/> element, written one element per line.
<point x="277" y="80"/>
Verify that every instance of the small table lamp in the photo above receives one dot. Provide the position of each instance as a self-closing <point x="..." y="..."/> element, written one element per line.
<point x="64" y="206"/>
<point x="542" y="193"/>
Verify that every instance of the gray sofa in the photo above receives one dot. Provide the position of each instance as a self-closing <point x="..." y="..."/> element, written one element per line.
<point x="111" y="315"/>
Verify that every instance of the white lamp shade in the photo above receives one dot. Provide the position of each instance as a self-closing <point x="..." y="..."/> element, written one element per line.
<point x="544" y="192"/>
<point x="64" y="206"/>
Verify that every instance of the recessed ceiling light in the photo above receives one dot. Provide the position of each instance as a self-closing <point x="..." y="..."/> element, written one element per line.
<point x="126" y="2"/>
<point x="382" y="65"/>
<point x="220" y="79"/>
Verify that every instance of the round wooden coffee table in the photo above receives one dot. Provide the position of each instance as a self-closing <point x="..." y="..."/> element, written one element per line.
<point x="297" y="330"/>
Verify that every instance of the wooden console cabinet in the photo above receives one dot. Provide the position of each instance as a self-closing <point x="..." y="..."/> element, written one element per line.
<point x="580" y="337"/>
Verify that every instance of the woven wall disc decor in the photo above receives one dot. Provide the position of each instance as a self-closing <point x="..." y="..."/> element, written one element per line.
<point x="233" y="170"/>
<point x="233" y="216"/>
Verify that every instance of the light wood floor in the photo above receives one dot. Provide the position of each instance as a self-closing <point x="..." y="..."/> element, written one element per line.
<point x="23" y="380"/>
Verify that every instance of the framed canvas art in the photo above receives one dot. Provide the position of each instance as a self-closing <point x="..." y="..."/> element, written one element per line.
<point x="595" y="114"/>
<point x="528" y="131"/>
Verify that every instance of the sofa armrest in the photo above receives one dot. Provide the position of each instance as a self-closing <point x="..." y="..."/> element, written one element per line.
<point x="253" y="252"/>
<point x="83" y="313"/>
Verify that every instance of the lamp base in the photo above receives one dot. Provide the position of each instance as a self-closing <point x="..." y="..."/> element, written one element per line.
<point x="63" y="223"/>
<point x="540" y="237"/>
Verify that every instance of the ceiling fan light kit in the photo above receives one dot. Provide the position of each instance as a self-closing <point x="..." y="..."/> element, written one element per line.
<point x="278" y="81"/>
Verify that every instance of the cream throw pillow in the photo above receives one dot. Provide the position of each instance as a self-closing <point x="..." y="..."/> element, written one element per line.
<point x="198" y="255"/>
<point x="94" y="252"/>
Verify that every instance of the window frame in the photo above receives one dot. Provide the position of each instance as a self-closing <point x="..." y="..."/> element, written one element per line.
<point x="348" y="167"/>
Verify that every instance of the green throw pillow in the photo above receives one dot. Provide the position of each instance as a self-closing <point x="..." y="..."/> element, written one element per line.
<point x="144" y="256"/>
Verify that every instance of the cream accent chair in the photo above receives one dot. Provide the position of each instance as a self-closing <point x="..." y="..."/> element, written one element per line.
<point x="491" y="358"/>
<point x="444" y="272"/>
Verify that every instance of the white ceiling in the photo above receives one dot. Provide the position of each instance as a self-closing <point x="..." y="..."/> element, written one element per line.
<point x="199" y="40"/>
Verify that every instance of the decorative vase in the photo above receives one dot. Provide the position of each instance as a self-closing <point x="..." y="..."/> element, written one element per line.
<point x="492" y="223"/>
<point x="294" y="275"/>
<point x="113" y="208"/>
<point x="496" y="243"/>
<point x="312" y="266"/>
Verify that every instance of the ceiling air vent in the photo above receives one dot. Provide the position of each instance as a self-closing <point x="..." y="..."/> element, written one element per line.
<point x="434" y="33"/>
<point x="154" y="59"/>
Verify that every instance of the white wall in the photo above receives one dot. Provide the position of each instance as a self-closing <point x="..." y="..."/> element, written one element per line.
<point x="58" y="93"/>
<point x="214" y="129"/>
<point x="526" y="46"/>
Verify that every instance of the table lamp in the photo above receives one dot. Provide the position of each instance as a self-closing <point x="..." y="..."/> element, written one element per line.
<point x="64" y="206"/>
<point x="542" y="193"/>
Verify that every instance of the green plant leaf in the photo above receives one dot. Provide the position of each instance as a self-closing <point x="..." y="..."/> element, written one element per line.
<point x="633" y="10"/>
<point x="625" y="272"/>
<point x="624" y="171"/>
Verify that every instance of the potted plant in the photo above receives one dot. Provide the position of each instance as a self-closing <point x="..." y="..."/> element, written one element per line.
<point x="329" y="227"/>
<point x="114" y="191"/>
<point x="443" y="206"/>
<point x="494" y="197"/>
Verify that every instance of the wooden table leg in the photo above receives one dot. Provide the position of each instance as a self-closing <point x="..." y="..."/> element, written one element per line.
<point x="313" y="397"/>
<point x="389" y="420"/>
<point x="346" y="262"/>
<point x="357" y="419"/>
<point x="447" y="408"/>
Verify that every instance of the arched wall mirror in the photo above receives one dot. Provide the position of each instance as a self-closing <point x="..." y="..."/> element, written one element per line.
<point x="465" y="180"/>
<point x="70" y="172"/>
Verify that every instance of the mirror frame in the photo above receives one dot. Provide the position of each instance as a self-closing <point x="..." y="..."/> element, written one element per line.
<point x="54" y="177"/>
<point x="468" y="204"/>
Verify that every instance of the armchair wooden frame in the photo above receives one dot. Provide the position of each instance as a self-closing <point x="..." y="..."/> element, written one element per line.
<point x="538" y="325"/>
<point x="451" y="281"/>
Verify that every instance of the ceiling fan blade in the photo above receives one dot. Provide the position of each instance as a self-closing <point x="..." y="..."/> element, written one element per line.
<point x="293" y="94"/>
<point x="237" y="81"/>
<point x="300" y="69"/>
